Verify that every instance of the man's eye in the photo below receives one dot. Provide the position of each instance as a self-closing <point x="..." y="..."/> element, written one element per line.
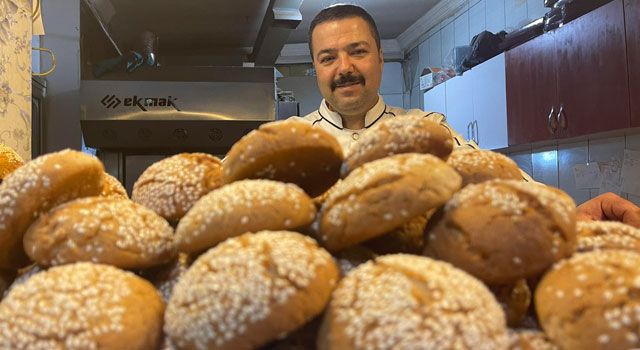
<point x="326" y="59"/>
<point x="359" y="51"/>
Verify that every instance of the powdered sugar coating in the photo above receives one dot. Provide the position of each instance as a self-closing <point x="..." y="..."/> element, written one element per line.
<point x="236" y="284"/>
<point x="65" y="307"/>
<point x="410" y="302"/>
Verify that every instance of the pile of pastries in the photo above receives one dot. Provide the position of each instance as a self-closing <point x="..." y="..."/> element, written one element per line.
<point x="287" y="243"/>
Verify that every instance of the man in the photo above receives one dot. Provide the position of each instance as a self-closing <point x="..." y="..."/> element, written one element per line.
<point x="345" y="49"/>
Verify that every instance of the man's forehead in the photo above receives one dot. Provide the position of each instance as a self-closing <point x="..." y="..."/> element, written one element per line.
<point x="353" y="29"/>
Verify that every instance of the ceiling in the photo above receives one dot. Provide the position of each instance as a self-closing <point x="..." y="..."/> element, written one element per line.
<point x="392" y="16"/>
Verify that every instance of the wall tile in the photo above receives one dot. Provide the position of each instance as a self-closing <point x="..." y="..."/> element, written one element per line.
<point x="406" y="100"/>
<point x="515" y="14"/>
<point x="634" y="199"/>
<point x="416" y="98"/>
<point x="536" y="9"/>
<point x="395" y="100"/>
<point x="462" y="29"/>
<point x="392" y="82"/>
<point x="633" y="142"/>
<point x="423" y="60"/>
<point x="495" y="15"/>
<point x="448" y="40"/>
<point x="524" y="161"/>
<point x="605" y="150"/>
<point x="477" y="18"/>
<point x="545" y="165"/>
<point x="435" y="50"/>
<point x="568" y="156"/>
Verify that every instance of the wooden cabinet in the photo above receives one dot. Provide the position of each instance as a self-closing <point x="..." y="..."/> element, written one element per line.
<point x="632" y="21"/>
<point x="572" y="81"/>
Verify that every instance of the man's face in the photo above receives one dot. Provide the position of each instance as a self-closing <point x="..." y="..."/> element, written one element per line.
<point x="348" y="65"/>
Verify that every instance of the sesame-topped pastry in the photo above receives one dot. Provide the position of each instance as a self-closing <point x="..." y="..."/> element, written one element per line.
<point x="383" y="195"/>
<point x="593" y="235"/>
<point x="592" y="301"/>
<point x="104" y="230"/>
<point x="515" y="299"/>
<point x="9" y="161"/>
<point x="411" y="302"/>
<point x="38" y="186"/>
<point x="171" y="186"/>
<point x="411" y="134"/>
<point x="503" y="230"/>
<point x="113" y="188"/>
<point x="288" y="151"/>
<point x="527" y="339"/>
<point x="23" y="275"/>
<point x="240" y="207"/>
<point x="82" y="306"/>
<point x="475" y="166"/>
<point x="408" y="238"/>
<point x="249" y="291"/>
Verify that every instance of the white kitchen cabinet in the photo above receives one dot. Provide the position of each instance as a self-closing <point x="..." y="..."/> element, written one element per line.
<point x="435" y="100"/>
<point x="460" y="103"/>
<point x="489" y="97"/>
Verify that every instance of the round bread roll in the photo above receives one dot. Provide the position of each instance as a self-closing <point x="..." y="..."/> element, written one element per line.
<point x="287" y="151"/>
<point x="165" y="277"/>
<point x="171" y="186"/>
<point x="408" y="238"/>
<point x="383" y="195"/>
<point x="527" y="339"/>
<point x="249" y="291"/>
<point x="411" y="134"/>
<point x="592" y="301"/>
<point x="593" y="235"/>
<point x="475" y="166"/>
<point x="38" y="186"/>
<point x="113" y="188"/>
<point x="503" y="230"/>
<point x="9" y="161"/>
<point x="515" y="300"/>
<point x="411" y="302"/>
<point x="240" y="207"/>
<point x="23" y="275"/>
<point x="104" y="230"/>
<point x="82" y="306"/>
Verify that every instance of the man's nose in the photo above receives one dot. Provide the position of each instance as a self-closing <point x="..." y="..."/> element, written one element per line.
<point x="345" y="64"/>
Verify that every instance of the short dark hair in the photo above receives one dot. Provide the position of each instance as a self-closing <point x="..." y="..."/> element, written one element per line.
<point x="342" y="11"/>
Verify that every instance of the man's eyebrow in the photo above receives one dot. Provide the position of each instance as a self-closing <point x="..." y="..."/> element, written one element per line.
<point x="358" y="43"/>
<point x="326" y="51"/>
<point x="348" y="47"/>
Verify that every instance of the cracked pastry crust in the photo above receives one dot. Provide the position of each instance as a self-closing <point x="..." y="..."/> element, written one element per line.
<point x="105" y="230"/>
<point x="250" y="290"/>
<point x="411" y="302"/>
<point x="503" y="230"/>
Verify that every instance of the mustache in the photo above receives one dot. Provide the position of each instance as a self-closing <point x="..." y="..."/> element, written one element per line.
<point x="347" y="79"/>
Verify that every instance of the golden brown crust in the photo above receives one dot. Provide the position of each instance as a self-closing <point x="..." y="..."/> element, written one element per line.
<point x="411" y="302"/>
<point x="173" y="185"/>
<point x="104" y="230"/>
<point x="503" y="230"/>
<point x="250" y="290"/>
<point x="82" y="306"/>
<point x="595" y="235"/>
<point x="591" y="301"/>
<point x="38" y="186"/>
<point x="476" y="166"/>
<point x="287" y="151"/>
<point x="383" y="195"/>
<point x="113" y="188"/>
<point x="408" y="238"/>
<point x="240" y="207"/>
<point x="9" y="161"/>
<point x="410" y="134"/>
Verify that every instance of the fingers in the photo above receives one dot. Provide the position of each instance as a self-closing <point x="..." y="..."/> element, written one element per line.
<point x="613" y="207"/>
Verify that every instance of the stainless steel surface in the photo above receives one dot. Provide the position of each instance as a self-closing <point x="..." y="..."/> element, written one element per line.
<point x="100" y="19"/>
<point x="281" y="18"/>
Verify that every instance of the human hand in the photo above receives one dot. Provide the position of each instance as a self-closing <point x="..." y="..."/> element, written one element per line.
<point x="612" y="207"/>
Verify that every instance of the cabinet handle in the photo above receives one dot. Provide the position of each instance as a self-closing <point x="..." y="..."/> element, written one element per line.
<point x="552" y="123"/>
<point x="477" y="134"/>
<point x="561" y="118"/>
<point x="469" y="126"/>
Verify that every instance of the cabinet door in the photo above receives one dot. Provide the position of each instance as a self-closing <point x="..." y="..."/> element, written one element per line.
<point x="531" y="89"/>
<point x="632" y="14"/>
<point x="460" y="103"/>
<point x="592" y="72"/>
<point x="435" y="100"/>
<point x="490" y="103"/>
